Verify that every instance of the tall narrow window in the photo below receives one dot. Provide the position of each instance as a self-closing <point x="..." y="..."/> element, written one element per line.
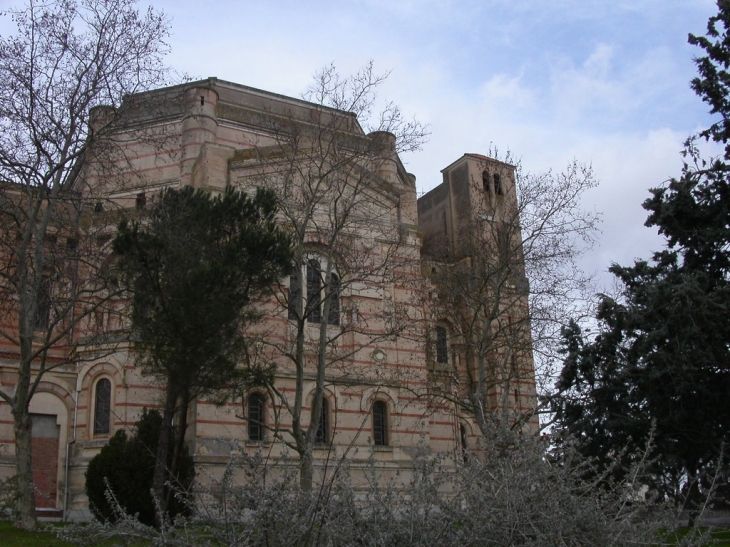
<point x="42" y="318"/>
<point x="256" y="411"/>
<point x="380" y="424"/>
<point x="464" y="441"/>
<point x="485" y="180"/>
<point x="102" y="407"/>
<point x="295" y="296"/>
<point x="498" y="185"/>
<point x="442" y="345"/>
<point x="308" y="302"/>
<point x="334" y="314"/>
<point x="314" y="288"/>
<point x="140" y="201"/>
<point x="322" y="435"/>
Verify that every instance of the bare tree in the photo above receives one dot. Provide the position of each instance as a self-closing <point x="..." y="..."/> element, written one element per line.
<point x="62" y="74"/>
<point x="505" y="278"/>
<point x="350" y="207"/>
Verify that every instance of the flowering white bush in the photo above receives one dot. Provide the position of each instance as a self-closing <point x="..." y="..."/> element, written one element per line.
<point x="515" y="496"/>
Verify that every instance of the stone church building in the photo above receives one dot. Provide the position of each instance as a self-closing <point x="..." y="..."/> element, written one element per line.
<point x="359" y="315"/>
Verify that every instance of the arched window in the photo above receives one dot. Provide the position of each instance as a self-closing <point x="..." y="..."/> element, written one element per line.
<point x="322" y="435"/>
<point x="256" y="415"/>
<point x="380" y="424"/>
<point x="102" y="406"/>
<point x="464" y="441"/>
<point x="310" y="303"/>
<point x="442" y="345"/>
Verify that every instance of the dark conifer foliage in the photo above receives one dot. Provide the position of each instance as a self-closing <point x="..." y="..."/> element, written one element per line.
<point x="124" y="469"/>
<point x="196" y="267"/>
<point x="660" y="364"/>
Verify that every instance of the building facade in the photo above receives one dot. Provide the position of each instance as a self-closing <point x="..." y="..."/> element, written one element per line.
<point x="358" y="334"/>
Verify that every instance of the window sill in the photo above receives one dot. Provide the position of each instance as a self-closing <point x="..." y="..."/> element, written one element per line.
<point x="315" y="326"/>
<point x="264" y="442"/>
<point x="97" y="442"/>
<point x="438" y="367"/>
<point x="382" y="448"/>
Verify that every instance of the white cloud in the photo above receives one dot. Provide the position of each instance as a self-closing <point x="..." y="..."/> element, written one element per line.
<point x="507" y="92"/>
<point x="628" y="165"/>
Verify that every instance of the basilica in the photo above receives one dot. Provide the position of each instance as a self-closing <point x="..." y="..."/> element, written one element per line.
<point x="367" y="339"/>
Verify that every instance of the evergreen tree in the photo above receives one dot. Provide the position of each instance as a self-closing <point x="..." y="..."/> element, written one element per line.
<point x="660" y="365"/>
<point x="196" y="266"/>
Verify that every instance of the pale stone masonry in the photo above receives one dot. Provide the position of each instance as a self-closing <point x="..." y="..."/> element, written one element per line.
<point x="211" y="134"/>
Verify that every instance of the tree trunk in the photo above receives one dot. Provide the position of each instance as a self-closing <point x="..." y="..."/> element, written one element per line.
<point x="23" y="469"/>
<point x="178" y="449"/>
<point x="691" y="500"/>
<point x="163" y="449"/>
<point x="306" y="471"/>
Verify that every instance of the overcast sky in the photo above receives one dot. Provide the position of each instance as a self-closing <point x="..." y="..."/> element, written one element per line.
<point x="605" y="82"/>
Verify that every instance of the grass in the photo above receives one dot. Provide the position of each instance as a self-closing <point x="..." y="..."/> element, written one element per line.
<point x="10" y="536"/>
<point x="14" y="537"/>
<point x="720" y="536"/>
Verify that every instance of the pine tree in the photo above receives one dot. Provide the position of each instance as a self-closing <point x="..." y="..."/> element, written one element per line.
<point x="196" y="267"/>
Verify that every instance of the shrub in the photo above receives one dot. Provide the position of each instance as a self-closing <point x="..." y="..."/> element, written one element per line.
<point x="517" y="492"/>
<point x="9" y="498"/>
<point x="123" y="472"/>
